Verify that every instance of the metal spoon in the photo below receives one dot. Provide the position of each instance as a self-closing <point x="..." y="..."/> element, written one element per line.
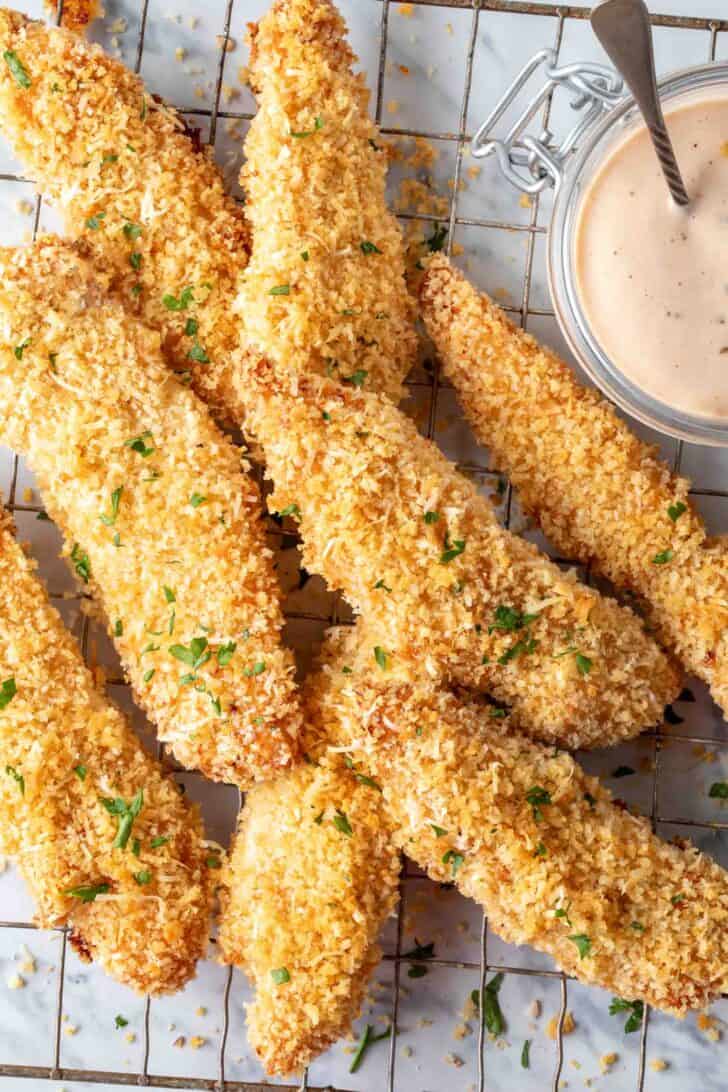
<point x="623" y="28"/>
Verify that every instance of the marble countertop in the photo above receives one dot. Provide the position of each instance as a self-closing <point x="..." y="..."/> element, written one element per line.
<point x="422" y="91"/>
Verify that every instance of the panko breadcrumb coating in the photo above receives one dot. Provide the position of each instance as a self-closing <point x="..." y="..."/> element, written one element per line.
<point x="602" y="495"/>
<point x="75" y="784"/>
<point x="123" y="171"/>
<point x="161" y="521"/>
<point x="311" y="880"/>
<point x="445" y="591"/>
<point x="324" y="289"/>
<point x="524" y="831"/>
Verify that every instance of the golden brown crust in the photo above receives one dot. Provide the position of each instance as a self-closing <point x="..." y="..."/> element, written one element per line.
<point x="652" y="916"/>
<point x="574" y="666"/>
<point x="601" y="494"/>
<point x="315" y="181"/>
<point x="305" y="895"/>
<point x="71" y="747"/>
<point x="146" y="487"/>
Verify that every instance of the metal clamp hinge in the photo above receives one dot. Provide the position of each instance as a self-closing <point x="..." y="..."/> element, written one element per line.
<point x="594" y="87"/>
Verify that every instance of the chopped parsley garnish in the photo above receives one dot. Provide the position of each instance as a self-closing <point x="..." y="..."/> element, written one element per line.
<point x="8" y="690"/>
<point x="280" y="290"/>
<point x="20" y="349"/>
<point x="139" y="444"/>
<point x="169" y="594"/>
<point x="490" y="1007"/>
<point x="125" y="813"/>
<point x="326" y="416"/>
<point x="17" y="778"/>
<point x="120" y="1021"/>
<point x="583" y="663"/>
<point x="538" y="798"/>
<point x="563" y="912"/>
<point x="81" y="563"/>
<point x="419" y="952"/>
<point x="109" y="521"/>
<point x="508" y="619"/>
<point x="452" y="550"/>
<point x="305" y="255"/>
<point x="198" y="354"/>
<point x="342" y="824"/>
<point x="317" y="125"/>
<point x="540" y="850"/>
<point x="257" y="669"/>
<point x="417" y="971"/>
<point x="195" y="656"/>
<point x="148" y="675"/>
<point x="135" y="260"/>
<point x="637" y="926"/>
<point x="431" y="517"/>
<point x="225" y="653"/>
<point x="213" y="862"/>
<point x="159" y="840"/>
<point x="118" y="628"/>
<point x="14" y="63"/>
<point x="677" y="899"/>
<point x="191" y="327"/>
<point x="80" y="772"/>
<point x="197" y="499"/>
<point x="497" y="713"/>
<point x="524" y="647"/>
<point x="357" y="378"/>
<point x="583" y="944"/>
<point x="440" y="832"/>
<point x="280" y="975"/>
<point x="136" y="847"/>
<point x="663" y="557"/>
<point x="719" y="790"/>
<point x="454" y="859"/>
<point x="636" y="1010"/>
<point x="437" y="240"/>
<point x="144" y="877"/>
<point x="143" y="109"/>
<point x="94" y="222"/>
<point x="291" y="510"/>
<point x="676" y="510"/>
<point x="181" y="303"/>
<point x="380" y="584"/>
<point x="368" y="248"/>
<point x="368" y="1039"/>
<point x="381" y="657"/>
<point x="360" y="777"/>
<point x="623" y="771"/>
<point x="87" y="892"/>
<point x="132" y="231"/>
<point x="526" y="1055"/>
<point x="110" y="157"/>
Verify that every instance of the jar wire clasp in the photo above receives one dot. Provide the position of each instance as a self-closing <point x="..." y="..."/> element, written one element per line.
<point x="531" y="163"/>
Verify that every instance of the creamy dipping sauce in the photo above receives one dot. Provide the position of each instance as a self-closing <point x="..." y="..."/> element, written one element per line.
<point x="652" y="278"/>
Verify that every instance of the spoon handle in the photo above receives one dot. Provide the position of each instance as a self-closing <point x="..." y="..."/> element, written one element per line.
<point x="623" y="28"/>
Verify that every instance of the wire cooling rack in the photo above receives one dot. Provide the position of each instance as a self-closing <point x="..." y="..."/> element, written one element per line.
<point x="427" y="389"/>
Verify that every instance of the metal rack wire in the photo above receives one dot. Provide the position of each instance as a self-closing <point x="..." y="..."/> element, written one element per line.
<point x="562" y="13"/>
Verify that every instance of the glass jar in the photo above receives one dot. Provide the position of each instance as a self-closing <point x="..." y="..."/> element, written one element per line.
<point x="607" y="117"/>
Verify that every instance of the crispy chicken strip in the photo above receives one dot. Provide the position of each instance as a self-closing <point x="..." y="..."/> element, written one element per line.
<point x="103" y="839"/>
<point x="524" y="831"/>
<point x="601" y="494"/>
<point x="325" y="286"/>
<point x="444" y="589"/>
<point x="161" y="521"/>
<point x="313" y="875"/>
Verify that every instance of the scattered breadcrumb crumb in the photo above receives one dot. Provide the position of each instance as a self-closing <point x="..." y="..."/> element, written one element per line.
<point x="454" y="1059"/>
<point x="525" y="201"/>
<point x="70" y="1029"/>
<point x="534" y="1009"/>
<point x="179" y="1041"/>
<point x="552" y="1028"/>
<point x="15" y="982"/>
<point x="226" y="44"/>
<point x="197" y="1041"/>
<point x="180" y="53"/>
<point x="24" y="207"/>
<point x="607" y="1061"/>
<point x="392" y="106"/>
<point x="407" y="10"/>
<point x="658" y="1065"/>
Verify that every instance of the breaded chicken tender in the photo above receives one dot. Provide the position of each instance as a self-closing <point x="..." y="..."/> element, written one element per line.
<point x="602" y="495"/>
<point x="311" y="880"/>
<point x="103" y="839"/>
<point x="524" y="831"/>
<point x="160" y="520"/>
<point x="325" y="286"/>
<point x="445" y="591"/>
<point x="124" y="173"/>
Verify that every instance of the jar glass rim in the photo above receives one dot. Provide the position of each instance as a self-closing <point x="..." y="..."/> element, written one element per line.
<point x="590" y="154"/>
